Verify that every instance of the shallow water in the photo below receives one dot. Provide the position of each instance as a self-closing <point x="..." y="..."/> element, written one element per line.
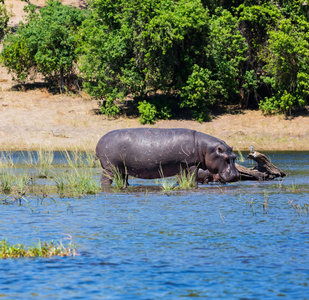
<point x="217" y="241"/>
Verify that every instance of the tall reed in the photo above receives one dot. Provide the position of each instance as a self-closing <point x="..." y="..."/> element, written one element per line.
<point x="42" y="161"/>
<point x="6" y="159"/>
<point x="80" y="159"/>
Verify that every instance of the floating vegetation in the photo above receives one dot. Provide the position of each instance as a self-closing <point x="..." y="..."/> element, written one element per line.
<point x="42" y="249"/>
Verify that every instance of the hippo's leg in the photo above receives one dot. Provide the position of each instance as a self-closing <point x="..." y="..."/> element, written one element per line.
<point x="106" y="177"/>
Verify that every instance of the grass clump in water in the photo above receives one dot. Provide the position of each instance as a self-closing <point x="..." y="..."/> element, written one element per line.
<point x="118" y="178"/>
<point x="167" y="184"/>
<point x="76" y="183"/>
<point x="15" y="184"/>
<point x="40" y="250"/>
<point x="41" y="160"/>
<point x="187" y="179"/>
<point x="80" y="159"/>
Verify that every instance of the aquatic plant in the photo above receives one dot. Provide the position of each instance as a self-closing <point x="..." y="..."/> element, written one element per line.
<point x="73" y="158"/>
<point x="7" y="179"/>
<point x="41" y="160"/>
<point x="6" y="159"/>
<point x="300" y="209"/>
<point x="22" y="183"/>
<point x="60" y="182"/>
<point x="265" y="203"/>
<point x="44" y="162"/>
<point x="186" y="179"/>
<point x="167" y="184"/>
<point x="14" y="184"/>
<point x="42" y="249"/>
<point x="251" y="204"/>
<point x="76" y="183"/>
<point x="293" y="187"/>
<point x="118" y="178"/>
<point x="240" y="156"/>
<point x="80" y="159"/>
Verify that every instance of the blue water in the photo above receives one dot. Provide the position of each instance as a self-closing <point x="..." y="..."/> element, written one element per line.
<point x="214" y="242"/>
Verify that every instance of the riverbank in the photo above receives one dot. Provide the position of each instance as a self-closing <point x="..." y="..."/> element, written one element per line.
<point x="36" y="119"/>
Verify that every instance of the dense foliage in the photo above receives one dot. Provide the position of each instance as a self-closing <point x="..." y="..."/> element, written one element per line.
<point x="172" y="55"/>
<point x="4" y="18"/>
<point x="45" y="43"/>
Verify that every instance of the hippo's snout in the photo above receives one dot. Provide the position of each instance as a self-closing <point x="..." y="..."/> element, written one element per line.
<point x="230" y="176"/>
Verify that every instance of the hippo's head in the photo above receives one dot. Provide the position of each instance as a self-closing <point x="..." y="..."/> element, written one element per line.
<point x="221" y="160"/>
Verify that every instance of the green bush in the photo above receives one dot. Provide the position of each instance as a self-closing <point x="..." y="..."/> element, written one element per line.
<point x="287" y="67"/>
<point x="147" y="111"/>
<point x="45" y="43"/>
<point x="4" y="19"/>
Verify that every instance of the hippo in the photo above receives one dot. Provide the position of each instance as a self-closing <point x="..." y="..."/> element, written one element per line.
<point x="150" y="153"/>
<point x="204" y="177"/>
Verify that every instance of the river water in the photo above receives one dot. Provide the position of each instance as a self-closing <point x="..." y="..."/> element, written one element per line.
<point x="246" y="240"/>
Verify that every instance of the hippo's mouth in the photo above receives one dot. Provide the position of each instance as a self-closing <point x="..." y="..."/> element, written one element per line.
<point x="221" y="179"/>
<point x="228" y="178"/>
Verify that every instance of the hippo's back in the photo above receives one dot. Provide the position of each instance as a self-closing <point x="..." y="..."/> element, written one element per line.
<point x="146" y="147"/>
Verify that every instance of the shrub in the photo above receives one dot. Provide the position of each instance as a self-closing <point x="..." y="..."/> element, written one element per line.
<point x="147" y="111"/>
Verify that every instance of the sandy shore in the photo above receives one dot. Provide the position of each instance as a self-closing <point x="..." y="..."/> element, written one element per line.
<point x="36" y="119"/>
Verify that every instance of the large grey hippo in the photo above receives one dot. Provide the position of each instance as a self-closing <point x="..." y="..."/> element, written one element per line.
<point x="154" y="153"/>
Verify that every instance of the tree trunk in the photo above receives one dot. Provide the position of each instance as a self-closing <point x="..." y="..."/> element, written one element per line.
<point x="265" y="170"/>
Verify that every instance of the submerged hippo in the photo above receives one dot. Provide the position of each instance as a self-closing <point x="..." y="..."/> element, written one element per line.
<point x="154" y="153"/>
<point x="204" y="177"/>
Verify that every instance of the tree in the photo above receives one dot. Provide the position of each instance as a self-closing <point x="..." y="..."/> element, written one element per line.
<point x="287" y="67"/>
<point x="140" y="47"/>
<point x="45" y="42"/>
<point x="4" y="18"/>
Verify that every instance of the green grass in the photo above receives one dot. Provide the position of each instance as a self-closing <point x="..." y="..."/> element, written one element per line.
<point x="7" y="179"/>
<point x="44" y="249"/>
<point x="76" y="182"/>
<point x="15" y="184"/>
<point x="42" y="161"/>
<point x="6" y="159"/>
<point x="186" y="180"/>
<point x="240" y="157"/>
<point x="293" y="187"/>
<point x="117" y="177"/>
<point x="80" y="159"/>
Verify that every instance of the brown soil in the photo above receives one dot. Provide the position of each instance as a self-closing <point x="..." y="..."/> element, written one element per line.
<point x="34" y="119"/>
